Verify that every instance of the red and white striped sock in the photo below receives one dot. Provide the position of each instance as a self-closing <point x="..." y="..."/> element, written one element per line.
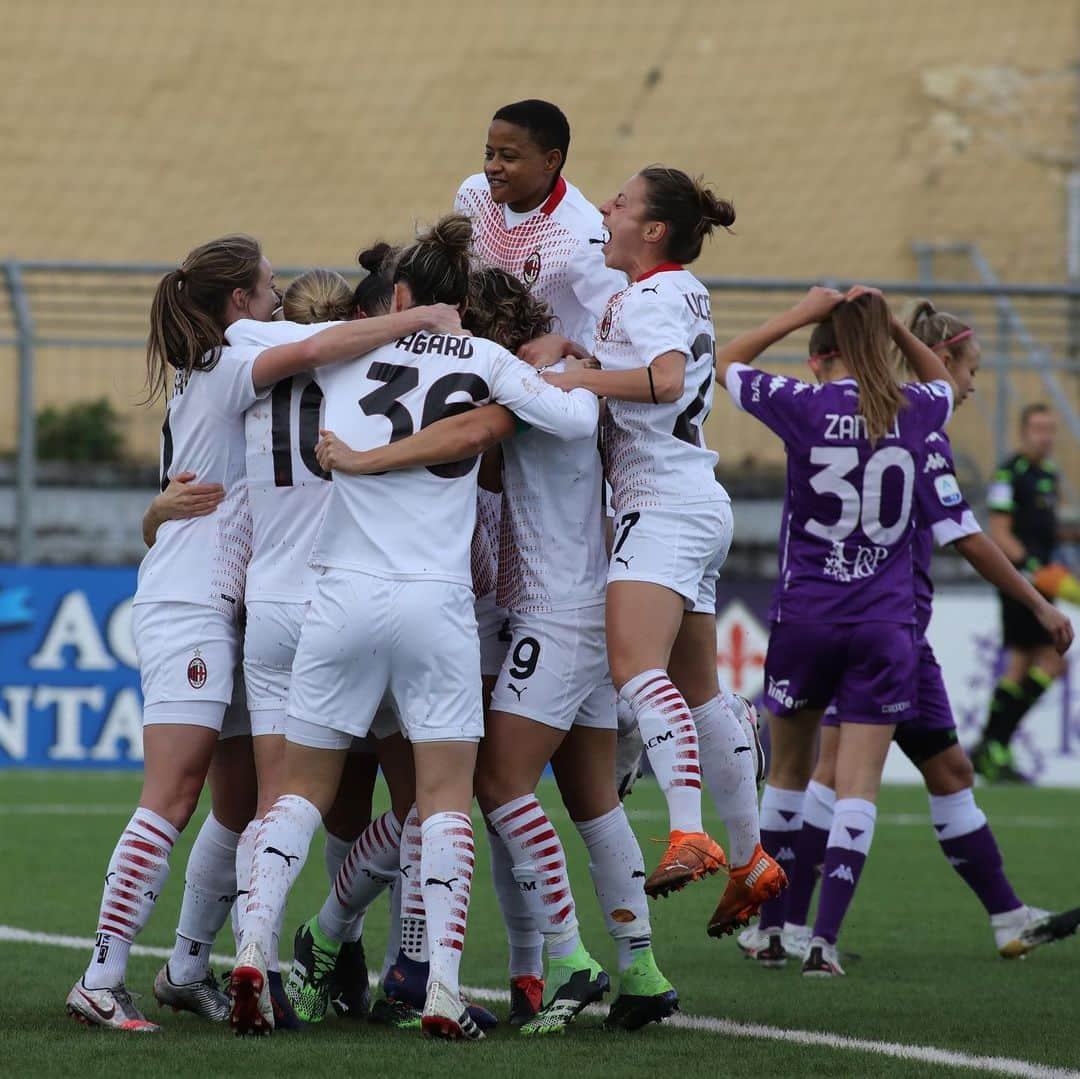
<point x="137" y="872"/>
<point x="447" y="857"/>
<point x="369" y="869"/>
<point x="540" y="870"/>
<point x="414" y="940"/>
<point x="671" y="741"/>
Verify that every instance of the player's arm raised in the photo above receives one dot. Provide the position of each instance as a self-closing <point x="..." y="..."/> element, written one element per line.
<point x="454" y="439"/>
<point x="992" y="563"/>
<point x="347" y="340"/>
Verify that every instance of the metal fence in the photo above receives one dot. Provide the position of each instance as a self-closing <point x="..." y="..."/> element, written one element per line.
<point x="75" y="331"/>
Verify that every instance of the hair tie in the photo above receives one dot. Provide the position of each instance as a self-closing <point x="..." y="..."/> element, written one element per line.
<point x="181" y="277"/>
<point x="963" y="335"/>
<point x="822" y="356"/>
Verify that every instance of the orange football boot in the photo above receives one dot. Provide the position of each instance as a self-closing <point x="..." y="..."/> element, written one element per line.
<point x="760" y="880"/>
<point x="689" y="856"/>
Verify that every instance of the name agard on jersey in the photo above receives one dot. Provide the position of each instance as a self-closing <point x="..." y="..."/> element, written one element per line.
<point x="421" y="344"/>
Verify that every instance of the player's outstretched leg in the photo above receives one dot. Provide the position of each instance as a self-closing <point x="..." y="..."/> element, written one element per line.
<point x="671" y="743"/>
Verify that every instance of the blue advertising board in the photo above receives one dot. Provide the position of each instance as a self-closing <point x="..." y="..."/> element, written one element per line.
<point x="69" y="679"/>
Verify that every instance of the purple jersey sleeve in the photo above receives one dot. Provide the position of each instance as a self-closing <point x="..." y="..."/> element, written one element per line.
<point x="939" y="503"/>
<point x="778" y="401"/>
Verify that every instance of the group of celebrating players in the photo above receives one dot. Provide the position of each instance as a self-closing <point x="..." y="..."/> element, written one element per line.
<point x="458" y="610"/>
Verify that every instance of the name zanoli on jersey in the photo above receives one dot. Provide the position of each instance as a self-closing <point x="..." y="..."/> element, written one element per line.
<point x="418" y="523"/>
<point x="550" y="252"/>
<point x="655" y="453"/>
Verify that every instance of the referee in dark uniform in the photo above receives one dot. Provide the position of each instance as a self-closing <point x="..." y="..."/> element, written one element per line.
<point x="1023" y="523"/>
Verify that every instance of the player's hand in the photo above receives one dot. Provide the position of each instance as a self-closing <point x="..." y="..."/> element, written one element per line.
<point x="548" y="349"/>
<point x="1057" y="625"/>
<point x="334" y="455"/>
<point x="440" y="318"/>
<point x="184" y="498"/>
<point x="856" y="291"/>
<point x="817" y="304"/>
<point x="580" y="363"/>
<point x="566" y="380"/>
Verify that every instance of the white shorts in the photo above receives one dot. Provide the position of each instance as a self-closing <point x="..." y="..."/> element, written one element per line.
<point x="682" y="549"/>
<point x="365" y="635"/>
<point x="556" y="671"/>
<point x="494" y="631"/>
<point x="270" y="640"/>
<point x="186" y="652"/>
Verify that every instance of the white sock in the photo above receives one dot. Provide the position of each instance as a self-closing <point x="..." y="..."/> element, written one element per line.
<point x="281" y="849"/>
<point x="540" y="871"/>
<point x="853" y="825"/>
<point x="393" y="935"/>
<point x="671" y="742"/>
<point x="137" y="872"/>
<point x="956" y="814"/>
<point x="729" y="765"/>
<point x="335" y="851"/>
<point x="526" y="943"/>
<point x="618" y="873"/>
<point x="209" y="895"/>
<point x="818" y="805"/>
<point x="447" y="858"/>
<point x="245" y="853"/>
<point x="369" y="869"/>
<point x="414" y="939"/>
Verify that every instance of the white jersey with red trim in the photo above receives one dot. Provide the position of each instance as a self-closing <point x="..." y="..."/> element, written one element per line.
<point x="655" y="454"/>
<point x="418" y="523"/>
<point x="551" y="555"/>
<point x="204" y="560"/>
<point x="550" y="251"/>
<point x="287" y="490"/>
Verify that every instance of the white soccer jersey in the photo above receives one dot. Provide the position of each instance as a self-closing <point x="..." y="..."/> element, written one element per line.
<point x="418" y="523"/>
<point x="656" y="454"/>
<point x="551" y="554"/>
<point x="550" y="252"/>
<point x="203" y="560"/>
<point x="485" y="542"/>
<point x="287" y="490"/>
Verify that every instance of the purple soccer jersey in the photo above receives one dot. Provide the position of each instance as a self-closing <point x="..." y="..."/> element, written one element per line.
<point x="845" y="545"/>
<point x="942" y="516"/>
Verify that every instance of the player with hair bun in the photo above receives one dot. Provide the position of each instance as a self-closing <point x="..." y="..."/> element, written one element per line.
<point x="396" y="579"/>
<point x="929" y="739"/>
<point x="673" y="527"/>
<point x="191" y="582"/>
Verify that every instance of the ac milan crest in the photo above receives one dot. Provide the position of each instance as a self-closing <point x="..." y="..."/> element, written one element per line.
<point x="196" y="672"/>
<point x="605" y="325"/>
<point x="531" y="270"/>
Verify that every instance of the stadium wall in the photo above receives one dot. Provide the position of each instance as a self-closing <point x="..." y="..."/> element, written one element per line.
<point x="69" y="682"/>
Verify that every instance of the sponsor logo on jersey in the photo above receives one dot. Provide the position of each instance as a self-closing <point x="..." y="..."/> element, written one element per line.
<point x="605" y="325"/>
<point x="531" y="270"/>
<point x="755" y="388"/>
<point x="196" y="671"/>
<point x="935" y="462"/>
<point x="777" y="382"/>
<point x="843" y="872"/>
<point x="934" y="436"/>
<point x="779" y="691"/>
<point x="837" y="567"/>
<point x="948" y="490"/>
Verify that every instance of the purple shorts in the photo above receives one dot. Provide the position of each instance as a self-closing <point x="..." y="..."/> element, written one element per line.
<point x="867" y="668"/>
<point x="932" y="712"/>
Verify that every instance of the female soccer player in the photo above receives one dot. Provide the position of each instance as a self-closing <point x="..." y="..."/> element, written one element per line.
<point x="191" y="581"/>
<point x="928" y="739"/>
<point x="673" y="526"/>
<point x="843" y="612"/>
<point x="397" y="591"/>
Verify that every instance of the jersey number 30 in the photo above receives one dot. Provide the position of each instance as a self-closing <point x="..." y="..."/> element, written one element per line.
<point x="861" y="508"/>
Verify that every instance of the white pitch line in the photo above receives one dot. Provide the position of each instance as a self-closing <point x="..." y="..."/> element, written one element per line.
<point x="927" y="1054"/>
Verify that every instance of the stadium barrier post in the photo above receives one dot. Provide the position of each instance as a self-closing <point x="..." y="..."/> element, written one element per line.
<point x="27" y="450"/>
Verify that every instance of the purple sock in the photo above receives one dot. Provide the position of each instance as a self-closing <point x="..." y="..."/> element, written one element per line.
<point x="968" y="843"/>
<point x="781" y="819"/>
<point x="845" y="856"/>
<point x="809" y="856"/>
